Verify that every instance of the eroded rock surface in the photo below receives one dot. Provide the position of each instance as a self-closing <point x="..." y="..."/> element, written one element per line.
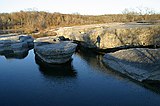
<point x="113" y="35"/>
<point x="52" y="50"/>
<point x="15" y="45"/>
<point x="141" y="64"/>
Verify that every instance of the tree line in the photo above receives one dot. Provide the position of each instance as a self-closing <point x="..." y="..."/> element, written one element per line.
<point x="30" y="21"/>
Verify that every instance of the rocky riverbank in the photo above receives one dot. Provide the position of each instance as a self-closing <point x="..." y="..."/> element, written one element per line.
<point x="15" y="46"/>
<point x="140" y="42"/>
<point x="115" y="35"/>
<point x="140" y="63"/>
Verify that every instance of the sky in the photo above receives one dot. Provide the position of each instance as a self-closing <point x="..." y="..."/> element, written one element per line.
<point x="84" y="7"/>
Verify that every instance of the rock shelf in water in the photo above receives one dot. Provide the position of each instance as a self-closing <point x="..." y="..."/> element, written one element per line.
<point x="141" y="64"/>
<point x="12" y="45"/>
<point x="54" y="51"/>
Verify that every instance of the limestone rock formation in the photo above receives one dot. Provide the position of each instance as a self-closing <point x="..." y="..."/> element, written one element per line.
<point x="52" y="50"/>
<point x="55" y="70"/>
<point x="15" y="45"/>
<point x="141" y="64"/>
<point x="113" y="35"/>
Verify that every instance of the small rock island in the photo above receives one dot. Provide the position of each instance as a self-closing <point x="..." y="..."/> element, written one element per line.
<point x="53" y="50"/>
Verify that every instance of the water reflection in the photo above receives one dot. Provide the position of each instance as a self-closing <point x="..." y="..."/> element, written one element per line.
<point x="82" y="81"/>
<point x="95" y="61"/>
<point x="56" y="71"/>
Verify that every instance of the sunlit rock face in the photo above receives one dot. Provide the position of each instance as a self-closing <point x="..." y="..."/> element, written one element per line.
<point x="52" y="50"/>
<point x="141" y="64"/>
<point x="15" y="45"/>
<point x="113" y="35"/>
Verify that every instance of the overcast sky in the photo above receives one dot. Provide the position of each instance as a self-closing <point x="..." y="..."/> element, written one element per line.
<point x="87" y="7"/>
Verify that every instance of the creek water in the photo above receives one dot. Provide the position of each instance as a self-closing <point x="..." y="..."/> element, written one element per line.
<point x="84" y="81"/>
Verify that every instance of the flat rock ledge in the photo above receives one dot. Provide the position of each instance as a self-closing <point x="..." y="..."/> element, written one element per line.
<point x="52" y="50"/>
<point x="141" y="64"/>
<point x="15" y="45"/>
<point x="113" y="35"/>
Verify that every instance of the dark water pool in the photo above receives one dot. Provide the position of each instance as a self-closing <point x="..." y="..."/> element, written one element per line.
<point x="83" y="82"/>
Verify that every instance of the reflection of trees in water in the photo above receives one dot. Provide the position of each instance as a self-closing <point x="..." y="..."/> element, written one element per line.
<point x="95" y="61"/>
<point x="12" y="55"/>
<point x="60" y="73"/>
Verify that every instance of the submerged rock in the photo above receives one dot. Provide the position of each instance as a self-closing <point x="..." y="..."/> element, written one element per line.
<point x="15" y="45"/>
<point x="52" y="50"/>
<point x="141" y="64"/>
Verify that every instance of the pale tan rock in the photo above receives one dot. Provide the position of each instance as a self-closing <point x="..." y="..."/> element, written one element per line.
<point x="113" y="35"/>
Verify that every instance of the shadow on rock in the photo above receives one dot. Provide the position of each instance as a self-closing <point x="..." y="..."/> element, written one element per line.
<point x="141" y="64"/>
<point x="95" y="61"/>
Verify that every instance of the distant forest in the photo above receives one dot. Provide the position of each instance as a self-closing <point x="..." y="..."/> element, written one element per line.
<point x="31" y="21"/>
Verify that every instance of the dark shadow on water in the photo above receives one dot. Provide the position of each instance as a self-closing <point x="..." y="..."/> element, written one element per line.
<point x="56" y="70"/>
<point x="95" y="61"/>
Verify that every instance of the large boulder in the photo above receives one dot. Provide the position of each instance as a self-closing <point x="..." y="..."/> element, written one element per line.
<point x="55" y="70"/>
<point x="113" y="35"/>
<point x="141" y="64"/>
<point x="15" y="44"/>
<point x="52" y="50"/>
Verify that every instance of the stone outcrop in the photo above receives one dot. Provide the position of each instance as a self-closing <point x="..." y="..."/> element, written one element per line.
<point x="15" y="45"/>
<point x="55" y="70"/>
<point x="113" y="35"/>
<point x="141" y="64"/>
<point x="52" y="50"/>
